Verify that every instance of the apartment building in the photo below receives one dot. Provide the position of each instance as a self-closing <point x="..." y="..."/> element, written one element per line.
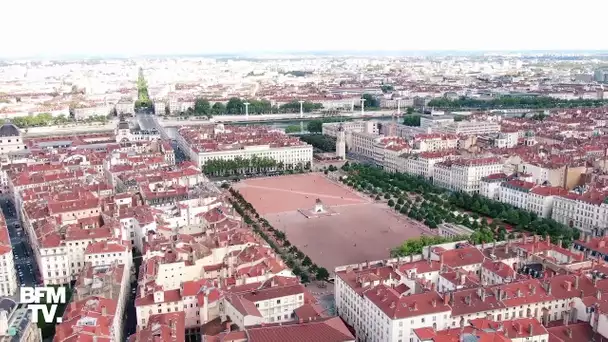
<point x="433" y="122"/>
<point x="8" y="274"/>
<point x="506" y="139"/>
<point x="318" y="329"/>
<point x="465" y="174"/>
<point x="125" y="106"/>
<point x="489" y="186"/>
<point x="83" y="113"/>
<point x="587" y="212"/>
<point x="271" y="305"/>
<point x="160" y="107"/>
<point x="363" y="144"/>
<point x="434" y="142"/>
<point x="553" y="174"/>
<point x="467" y="283"/>
<point x="373" y="128"/>
<point x="95" y="317"/>
<point x="16" y="323"/>
<point x="515" y="192"/>
<point x="168" y="326"/>
<point x="423" y="164"/>
<point x="387" y="149"/>
<point x="469" y="128"/>
<point x="210" y="142"/>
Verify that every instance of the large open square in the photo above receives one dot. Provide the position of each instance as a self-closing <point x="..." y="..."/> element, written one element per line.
<point x="360" y="230"/>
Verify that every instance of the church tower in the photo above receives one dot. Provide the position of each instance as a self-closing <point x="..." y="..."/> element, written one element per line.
<point x="341" y="143"/>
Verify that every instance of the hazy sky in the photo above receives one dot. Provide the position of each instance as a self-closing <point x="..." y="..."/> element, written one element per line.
<point x="59" y="27"/>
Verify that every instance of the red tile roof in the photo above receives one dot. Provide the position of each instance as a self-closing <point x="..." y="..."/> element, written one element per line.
<point x="397" y="306"/>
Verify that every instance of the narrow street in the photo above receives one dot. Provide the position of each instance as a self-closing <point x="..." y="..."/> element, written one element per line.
<point x="25" y="265"/>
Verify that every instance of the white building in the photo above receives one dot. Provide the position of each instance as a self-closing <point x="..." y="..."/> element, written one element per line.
<point x="452" y="230"/>
<point x="125" y="107"/>
<point x="587" y="212"/>
<point x="465" y="174"/>
<point x="8" y="275"/>
<point x="423" y="164"/>
<point x="470" y="128"/>
<point x="489" y="186"/>
<point x="202" y="145"/>
<point x="125" y="133"/>
<point x="270" y="305"/>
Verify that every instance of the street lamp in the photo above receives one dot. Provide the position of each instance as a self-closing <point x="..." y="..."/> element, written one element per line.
<point x="301" y="108"/>
<point x="362" y="106"/>
<point x="246" y="104"/>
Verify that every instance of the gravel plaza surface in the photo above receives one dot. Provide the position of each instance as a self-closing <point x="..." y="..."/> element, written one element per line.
<point x="361" y="230"/>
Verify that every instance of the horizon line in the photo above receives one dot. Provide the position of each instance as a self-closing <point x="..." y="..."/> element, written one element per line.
<point x="341" y="53"/>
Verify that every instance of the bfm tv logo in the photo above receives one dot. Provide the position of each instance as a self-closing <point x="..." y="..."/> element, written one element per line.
<point x="33" y="297"/>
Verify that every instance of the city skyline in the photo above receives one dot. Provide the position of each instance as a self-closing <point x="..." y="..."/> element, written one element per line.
<point x="188" y="27"/>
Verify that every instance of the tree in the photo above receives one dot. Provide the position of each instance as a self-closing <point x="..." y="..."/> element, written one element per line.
<point x="391" y="203"/>
<point x="143" y="101"/>
<point x="306" y="261"/>
<point x="370" y="101"/>
<point x="315" y="126"/>
<point x="412" y="120"/>
<point x="218" y="108"/>
<point x="292" y="129"/>
<point x="235" y="106"/>
<point x="322" y="142"/>
<point x="202" y="107"/>
<point x="322" y="274"/>
<point x="387" y="88"/>
<point x="506" y="102"/>
<point x="387" y="196"/>
<point x="409" y="110"/>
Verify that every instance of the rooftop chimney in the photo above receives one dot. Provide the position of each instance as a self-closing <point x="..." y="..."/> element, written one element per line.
<point x="576" y="281"/>
<point x="568" y="286"/>
<point x="434" y="302"/>
<point x="463" y="279"/>
<point x="587" y="238"/>
<point x="446" y="298"/>
<point x="569" y="332"/>
<point x="598" y="295"/>
<point x="531" y="329"/>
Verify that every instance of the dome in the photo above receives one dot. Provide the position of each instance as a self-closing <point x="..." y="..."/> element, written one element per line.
<point x="9" y="130"/>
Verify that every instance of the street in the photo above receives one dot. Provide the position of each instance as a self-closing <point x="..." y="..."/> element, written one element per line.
<point x="25" y="264"/>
